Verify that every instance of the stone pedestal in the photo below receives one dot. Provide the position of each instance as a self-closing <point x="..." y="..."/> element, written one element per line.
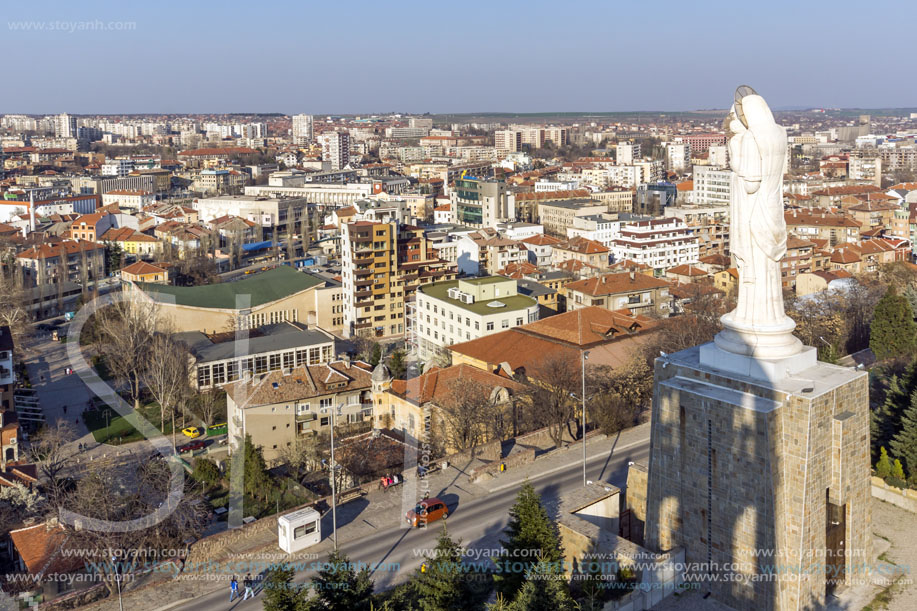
<point x="760" y="469"/>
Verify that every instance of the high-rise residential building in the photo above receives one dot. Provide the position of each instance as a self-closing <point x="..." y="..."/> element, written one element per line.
<point x="64" y="126"/>
<point x="336" y="149"/>
<point x="479" y="202"/>
<point x="677" y="156"/>
<point x="712" y="186"/>
<point x="558" y="136"/>
<point x="717" y="155"/>
<point x="507" y="140"/>
<point x="627" y="153"/>
<point x="302" y="129"/>
<point x="383" y="265"/>
<point x="421" y="122"/>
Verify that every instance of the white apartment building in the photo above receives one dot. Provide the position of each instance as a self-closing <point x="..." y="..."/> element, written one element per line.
<point x="677" y="156"/>
<point x="302" y="129"/>
<point x="627" y="153"/>
<point x="462" y="310"/>
<point x="712" y="186"/>
<point x="552" y="186"/>
<point x="128" y="199"/>
<point x="336" y="149"/>
<point x="601" y="228"/>
<point x="117" y="167"/>
<point x="267" y="212"/>
<point x="717" y="155"/>
<point x="336" y="194"/>
<point x="64" y="126"/>
<point x="657" y="243"/>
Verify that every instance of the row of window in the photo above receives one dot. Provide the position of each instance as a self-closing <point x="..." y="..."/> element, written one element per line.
<point x="230" y="371"/>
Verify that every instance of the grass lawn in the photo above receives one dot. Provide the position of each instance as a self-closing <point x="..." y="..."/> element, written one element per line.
<point x="107" y="426"/>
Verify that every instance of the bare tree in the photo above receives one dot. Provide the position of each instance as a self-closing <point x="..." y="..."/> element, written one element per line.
<point x="104" y="494"/>
<point x="304" y="455"/>
<point x="126" y="334"/>
<point x="468" y="415"/>
<point x="48" y="450"/>
<point x="166" y="373"/>
<point x="210" y="405"/>
<point x="14" y="311"/>
<point x="553" y="381"/>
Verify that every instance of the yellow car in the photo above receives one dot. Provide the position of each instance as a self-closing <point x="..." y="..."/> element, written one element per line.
<point x="192" y="431"/>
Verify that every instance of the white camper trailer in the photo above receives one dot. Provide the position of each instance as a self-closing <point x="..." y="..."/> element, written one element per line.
<point x="298" y="530"/>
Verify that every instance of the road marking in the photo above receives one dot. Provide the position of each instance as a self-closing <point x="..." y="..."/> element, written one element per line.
<point x="562" y="467"/>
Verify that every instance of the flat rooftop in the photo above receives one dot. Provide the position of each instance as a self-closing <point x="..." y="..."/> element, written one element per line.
<point x="440" y="290"/>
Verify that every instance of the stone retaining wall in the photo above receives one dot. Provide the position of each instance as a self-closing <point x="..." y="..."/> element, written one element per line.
<point x="905" y="499"/>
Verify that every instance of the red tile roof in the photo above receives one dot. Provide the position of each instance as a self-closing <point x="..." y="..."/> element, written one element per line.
<point x="434" y="386"/>
<point x="613" y="284"/>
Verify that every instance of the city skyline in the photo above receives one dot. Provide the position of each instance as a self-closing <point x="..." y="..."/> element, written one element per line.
<point x="469" y="63"/>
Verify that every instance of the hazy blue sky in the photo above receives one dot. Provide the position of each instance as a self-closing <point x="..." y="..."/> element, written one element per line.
<point x="466" y="56"/>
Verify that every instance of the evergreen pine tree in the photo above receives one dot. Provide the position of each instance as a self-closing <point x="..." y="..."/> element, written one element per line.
<point x="532" y="537"/>
<point x="340" y="587"/>
<point x="904" y="443"/>
<point x="258" y="482"/>
<point x="545" y="589"/>
<point x="397" y="365"/>
<point x="884" y="466"/>
<point x="441" y="583"/>
<point x="376" y="355"/>
<point x="280" y="593"/>
<point x="892" y="332"/>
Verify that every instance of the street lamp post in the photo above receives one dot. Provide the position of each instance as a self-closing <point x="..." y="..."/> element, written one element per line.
<point x="585" y="356"/>
<point x="334" y="515"/>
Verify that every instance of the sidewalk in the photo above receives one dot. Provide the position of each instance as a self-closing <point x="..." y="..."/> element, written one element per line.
<point x="377" y="511"/>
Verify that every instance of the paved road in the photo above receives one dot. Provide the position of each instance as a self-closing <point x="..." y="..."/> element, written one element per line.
<point x="478" y="522"/>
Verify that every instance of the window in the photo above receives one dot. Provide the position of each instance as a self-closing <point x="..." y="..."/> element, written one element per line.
<point x="203" y="376"/>
<point x="232" y="371"/>
<point x="324" y="421"/>
<point x="305" y="529"/>
<point x="288" y="360"/>
<point x="314" y="355"/>
<point x="301" y="357"/>
<point x="219" y="373"/>
<point x="260" y="364"/>
<point x="490" y="326"/>
<point x="477" y="325"/>
<point x="326" y="403"/>
<point x="275" y="362"/>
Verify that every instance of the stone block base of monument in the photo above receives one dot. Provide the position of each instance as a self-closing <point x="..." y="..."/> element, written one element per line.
<point x="760" y="470"/>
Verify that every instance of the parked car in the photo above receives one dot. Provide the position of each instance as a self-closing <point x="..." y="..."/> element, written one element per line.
<point x="426" y="511"/>
<point x="192" y="431"/>
<point x="191" y="447"/>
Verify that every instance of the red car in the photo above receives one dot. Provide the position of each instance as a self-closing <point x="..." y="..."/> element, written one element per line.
<point x="191" y="447"/>
<point x="426" y="511"/>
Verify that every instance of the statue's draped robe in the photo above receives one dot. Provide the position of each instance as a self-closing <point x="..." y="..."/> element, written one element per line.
<point x="758" y="231"/>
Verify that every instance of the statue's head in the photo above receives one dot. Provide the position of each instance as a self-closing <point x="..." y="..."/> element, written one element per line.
<point x="751" y="108"/>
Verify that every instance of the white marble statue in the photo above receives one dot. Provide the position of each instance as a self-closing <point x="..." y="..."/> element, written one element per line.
<point x="757" y="154"/>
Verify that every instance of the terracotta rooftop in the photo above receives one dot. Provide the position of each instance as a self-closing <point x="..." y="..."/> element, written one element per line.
<point x="141" y="268"/>
<point x="613" y="284"/>
<point x="583" y="246"/>
<point x="436" y="384"/>
<point x="304" y="382"/>
<point x="40" y="549"/>
<point x="687" y="270"/>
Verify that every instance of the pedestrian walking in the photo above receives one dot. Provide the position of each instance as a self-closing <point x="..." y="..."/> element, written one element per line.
<point x="395" y="480"/>
<point x="80" y="446"/>
<point x="247" y="582"/>
<point x="65" y="408"/>
<point x="384" y="483"/>
<point x="233" y="588"/>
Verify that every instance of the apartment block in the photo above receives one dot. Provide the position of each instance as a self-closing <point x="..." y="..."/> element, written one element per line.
<point x="461" y="310"/>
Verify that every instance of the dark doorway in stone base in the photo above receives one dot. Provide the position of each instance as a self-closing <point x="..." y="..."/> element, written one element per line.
<point x="835" y="562"/>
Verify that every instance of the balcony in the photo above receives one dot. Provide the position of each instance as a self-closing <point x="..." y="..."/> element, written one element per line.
<point x="362" y="295"/>
<point x="367" y="282"/>
<point x="363" y="271"/>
